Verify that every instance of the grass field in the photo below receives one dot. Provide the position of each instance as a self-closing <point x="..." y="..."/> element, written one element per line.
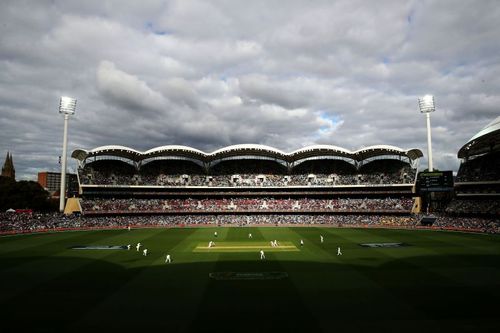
<point x="440" y="281"/>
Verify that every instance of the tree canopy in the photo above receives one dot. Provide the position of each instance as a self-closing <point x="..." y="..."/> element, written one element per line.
<point x="23" y="195"/>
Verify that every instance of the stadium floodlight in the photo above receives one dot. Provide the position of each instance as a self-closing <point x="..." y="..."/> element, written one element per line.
<point x="426" y="105"/>
<point x="67" y="106"/>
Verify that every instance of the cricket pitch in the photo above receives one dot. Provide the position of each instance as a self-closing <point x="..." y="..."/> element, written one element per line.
<point x="245" y="247"/>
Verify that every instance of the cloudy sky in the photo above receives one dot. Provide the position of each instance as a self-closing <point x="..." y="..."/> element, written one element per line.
<point x="208" y="74"/>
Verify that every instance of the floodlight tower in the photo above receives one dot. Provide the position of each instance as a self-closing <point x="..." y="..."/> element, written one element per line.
<point x="67" y="106"/>
<point x="426" y="105"/>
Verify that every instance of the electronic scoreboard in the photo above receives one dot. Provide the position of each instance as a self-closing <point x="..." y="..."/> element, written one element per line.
<point x="435" y="181"/>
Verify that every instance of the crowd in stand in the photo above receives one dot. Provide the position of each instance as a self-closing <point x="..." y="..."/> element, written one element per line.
<point x="94" y="177"/>
<point x="26" y="222"/>
<point x="469" y="223"/>
<point x="246" y="204"/>
<point x="246" y="172"/>
<point x="483" y="168"/>
<point x="12" y="222"/>
<point x="474" y="206"/>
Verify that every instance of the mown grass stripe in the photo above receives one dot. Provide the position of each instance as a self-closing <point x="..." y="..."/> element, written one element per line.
<point x="154" y="286"/>
<point x="390" y="289"/>
<point x="33" y="271"/>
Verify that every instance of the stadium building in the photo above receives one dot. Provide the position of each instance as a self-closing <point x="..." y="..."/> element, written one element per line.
<point x="477" y="185"/>
<point x="51" y="182"/>
<point x="248" y="181"/>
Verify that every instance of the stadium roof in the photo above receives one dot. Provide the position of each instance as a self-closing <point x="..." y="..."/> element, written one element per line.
<point x="174" y="150"/>
<point x="485" y="141"/>
<point x="246" y="150"/>
<point x="118" y="151"/>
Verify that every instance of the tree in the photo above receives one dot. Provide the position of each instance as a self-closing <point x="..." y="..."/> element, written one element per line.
<point x="22" y="195"/>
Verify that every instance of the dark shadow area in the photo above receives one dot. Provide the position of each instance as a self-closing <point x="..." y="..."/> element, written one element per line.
<point x="409" y="295"/>
<point x="42" y="250"/>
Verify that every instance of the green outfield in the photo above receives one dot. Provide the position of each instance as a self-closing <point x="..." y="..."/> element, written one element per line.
<point x="398" y="281"/>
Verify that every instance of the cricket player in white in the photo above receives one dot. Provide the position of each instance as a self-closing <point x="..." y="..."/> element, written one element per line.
<point x="339" y="253"/>
<point x="272" y="244"/>
<point x="301" y="242"/>
<point x="262" y="255"/>
<point x="138" y="246"/>
<point x="250" y="235"/>
<point x="145" y="252"/>
<point x="167" y="259"/>
<point x="215" y="234"/>
<point x="128" y="247"/>
<point x="321" y="238"/>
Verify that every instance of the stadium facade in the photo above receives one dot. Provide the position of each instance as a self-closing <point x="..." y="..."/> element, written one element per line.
<point x="477" y="185"/>
<point x="246" y="165"/>
<point x="51" y="182"/>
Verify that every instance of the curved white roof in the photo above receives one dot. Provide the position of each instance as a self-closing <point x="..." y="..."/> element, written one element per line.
<point x="379" y="147"/>
<point x="110" y="150"/>
<point x="486" y="140"/>
<point x="491" y="127"/>
<point x="173" y="148"/>
<point x="247" y="146"/>
<point x="381" y="150"/>
<point x="245" y="150"/>
<point x="320" y="147"/>
<point x="114" y="147"/>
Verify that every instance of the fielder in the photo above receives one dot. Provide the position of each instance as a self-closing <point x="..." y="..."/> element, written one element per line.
<point x="250" y="235"/>
<point x="128" y="247"/>
<point x="145" y="252"/>
<point x="215" y="234"/>
<point x="138" y="246"/>
<point x="339" y="253"/>
<point x="167" y="259"/>
<point x="321" y="238"/>
<point x="262" y="255"/>
<point x="301" y="242"/>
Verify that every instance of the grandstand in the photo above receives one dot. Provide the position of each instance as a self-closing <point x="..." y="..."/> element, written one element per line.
<point x="247" y="179"/>
<point x="477" y="185"/>
<point x="260" y="185"/>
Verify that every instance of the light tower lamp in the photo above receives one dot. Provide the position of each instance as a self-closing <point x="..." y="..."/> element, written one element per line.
<point x="67" y="106"/>
<point x="426" y="105"/>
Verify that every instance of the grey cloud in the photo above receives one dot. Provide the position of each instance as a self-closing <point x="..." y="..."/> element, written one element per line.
<point x="209" y="74"/>
<point x="126" y="90"/>
<point x="266" y="91"/>
<point x="180" y="91"/>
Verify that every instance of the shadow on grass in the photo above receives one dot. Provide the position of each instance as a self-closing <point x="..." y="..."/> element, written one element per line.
<point x="432" y="293"/>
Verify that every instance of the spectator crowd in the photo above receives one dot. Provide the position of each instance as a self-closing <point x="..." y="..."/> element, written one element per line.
<point x="19" y="223"/>
<point x="91" y="176"/>
<point x="270" y="204"/>
<point x="474" y="206"/>
<point x="479" y="169"/>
